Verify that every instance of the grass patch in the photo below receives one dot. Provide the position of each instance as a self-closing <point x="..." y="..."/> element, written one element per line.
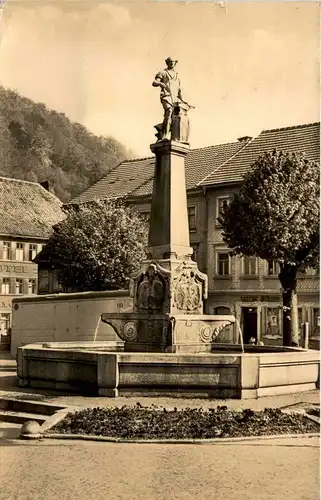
<point x="153" y="422"/>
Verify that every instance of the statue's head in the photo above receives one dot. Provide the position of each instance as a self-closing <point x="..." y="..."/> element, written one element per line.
<point x="171" y="62"/>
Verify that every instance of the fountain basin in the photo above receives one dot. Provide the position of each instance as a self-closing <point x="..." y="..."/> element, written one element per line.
<point x="224" y="373"/>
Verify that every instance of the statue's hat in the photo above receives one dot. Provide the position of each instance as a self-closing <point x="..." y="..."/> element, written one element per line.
<point x="171" y="59"/>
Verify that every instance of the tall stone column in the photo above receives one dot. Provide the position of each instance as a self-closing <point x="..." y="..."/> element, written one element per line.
<point x="169" y="232"/>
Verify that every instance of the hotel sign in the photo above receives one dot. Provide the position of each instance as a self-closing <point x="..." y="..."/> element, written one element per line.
<point x="18" y="268"/>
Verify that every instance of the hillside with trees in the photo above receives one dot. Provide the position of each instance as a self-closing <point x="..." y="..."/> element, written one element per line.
<point x="38" y="144"/>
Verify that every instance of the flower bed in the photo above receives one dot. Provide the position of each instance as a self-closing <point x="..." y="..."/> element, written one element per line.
<point x="159" y="423"/>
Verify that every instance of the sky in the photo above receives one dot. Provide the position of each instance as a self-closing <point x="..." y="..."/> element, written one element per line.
<point x="245" y="66"/>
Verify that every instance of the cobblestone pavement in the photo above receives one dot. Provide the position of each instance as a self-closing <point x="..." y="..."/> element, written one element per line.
<point x="284" y="469"/>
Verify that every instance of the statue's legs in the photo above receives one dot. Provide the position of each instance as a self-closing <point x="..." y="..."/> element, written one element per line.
<point x="168" y="112"/>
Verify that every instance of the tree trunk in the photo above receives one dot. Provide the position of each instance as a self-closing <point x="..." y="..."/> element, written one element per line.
<point x="288" y="279"/>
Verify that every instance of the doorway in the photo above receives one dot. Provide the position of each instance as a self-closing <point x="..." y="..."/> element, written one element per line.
<point x="249" y="323"/>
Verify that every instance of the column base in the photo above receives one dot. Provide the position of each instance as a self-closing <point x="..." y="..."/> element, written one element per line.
<point x="169" y="252"/>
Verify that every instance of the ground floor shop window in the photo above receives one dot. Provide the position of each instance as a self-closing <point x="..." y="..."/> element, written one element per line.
<point x="272" y="323"/>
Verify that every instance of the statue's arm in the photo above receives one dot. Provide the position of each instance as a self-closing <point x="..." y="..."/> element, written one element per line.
<point x="158" y="83"/>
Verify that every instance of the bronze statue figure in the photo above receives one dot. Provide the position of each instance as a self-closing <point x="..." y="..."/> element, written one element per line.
<point x="170" y="96"/>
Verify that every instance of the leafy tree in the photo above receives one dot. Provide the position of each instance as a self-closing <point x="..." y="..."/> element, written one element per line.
<point x="98" y="246"/>
<point x="275" y="216"/>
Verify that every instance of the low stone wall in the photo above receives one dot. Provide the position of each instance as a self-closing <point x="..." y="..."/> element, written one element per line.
<point x="62" y="366"/>
<point x="65" y="317"/>
<point x="222" y="375"/>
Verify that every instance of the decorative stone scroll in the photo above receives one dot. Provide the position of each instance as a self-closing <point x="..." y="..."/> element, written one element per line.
<point x="208" y="334"/>
<point x="126" y="330"/>
<point x="129" y="331"/>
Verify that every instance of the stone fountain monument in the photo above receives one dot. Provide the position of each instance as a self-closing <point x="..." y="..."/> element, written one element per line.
<point x="169" y="290"/>
<point x="169" y="344"/>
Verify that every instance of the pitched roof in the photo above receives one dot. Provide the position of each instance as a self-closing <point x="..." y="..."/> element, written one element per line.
<point x="207" y="166"/>
<point x="120" y="181"/>
<point x="135" y="177"/>
<point x="27" y="209"/>
<point x="304" y="138"/>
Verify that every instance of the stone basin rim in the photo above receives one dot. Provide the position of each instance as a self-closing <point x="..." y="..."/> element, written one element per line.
<point x="185" y="317"/>
<point x="230" y="350"/>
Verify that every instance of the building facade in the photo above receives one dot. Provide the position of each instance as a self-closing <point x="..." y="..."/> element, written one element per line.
<point x="27" y="213"/>
<point x="247" y="287"/>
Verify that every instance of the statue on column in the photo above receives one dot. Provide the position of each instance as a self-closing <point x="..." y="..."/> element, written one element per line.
<point x="175" y="125"/>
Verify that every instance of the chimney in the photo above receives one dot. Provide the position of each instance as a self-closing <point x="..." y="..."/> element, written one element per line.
<point x="246" y="138"/>
<point x="46" y="185"/>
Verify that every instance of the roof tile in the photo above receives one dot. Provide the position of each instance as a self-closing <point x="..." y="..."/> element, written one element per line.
<point x="304" y="138"/>
<point x="27" y="209"/>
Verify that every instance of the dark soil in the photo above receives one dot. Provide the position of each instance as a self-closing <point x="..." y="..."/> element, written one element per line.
<point x="160" y="423"/>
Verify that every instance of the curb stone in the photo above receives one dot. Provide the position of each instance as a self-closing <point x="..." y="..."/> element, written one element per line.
<point x="49" y="423"/>
<point x="105" y="439"/>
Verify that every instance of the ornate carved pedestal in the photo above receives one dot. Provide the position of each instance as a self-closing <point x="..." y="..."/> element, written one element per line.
<point x="169" y="289"/>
